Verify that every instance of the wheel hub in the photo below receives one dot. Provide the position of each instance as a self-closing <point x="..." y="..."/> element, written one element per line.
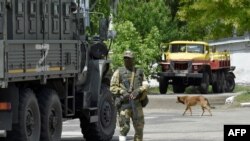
<point x="106" y="114"/>
<point x="52" y="122"/>
<point x="29" y="122"/>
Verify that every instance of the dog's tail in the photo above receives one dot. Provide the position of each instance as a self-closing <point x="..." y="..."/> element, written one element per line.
<point x="212" y="107"/>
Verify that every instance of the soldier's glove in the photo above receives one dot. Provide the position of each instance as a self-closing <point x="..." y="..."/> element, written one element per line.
<point x="125" y="96"/>
<point x="136" y="93"/>
<point x="120" y="99"/>
<point x="118" y="102"/>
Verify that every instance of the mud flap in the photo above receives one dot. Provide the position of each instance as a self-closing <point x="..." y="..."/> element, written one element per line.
<point x="5" y="120"/>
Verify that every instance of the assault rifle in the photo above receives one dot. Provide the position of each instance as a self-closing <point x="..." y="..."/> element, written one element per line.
<point x="129" y="86"/>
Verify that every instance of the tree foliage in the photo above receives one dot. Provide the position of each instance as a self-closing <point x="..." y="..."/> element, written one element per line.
<point x="145" y="14"/>
<point x="145" y="49"/>
<point x="141" y="26"/>
<point x="127" y="39"/>
<point x="213" y="19"/>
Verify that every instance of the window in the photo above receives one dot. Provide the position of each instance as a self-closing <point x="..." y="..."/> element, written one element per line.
<point x="190" y="48"/>
<point x="178" y="48"/>
<point x="195" y="48"/>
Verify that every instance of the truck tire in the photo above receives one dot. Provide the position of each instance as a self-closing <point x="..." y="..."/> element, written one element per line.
<point x="219" y="86"/>
<point x="230" y="82"/>
<point x="163" y="85"/>
<point x="28" y="126"/>
<point x="216" y="86"/>
<point x="104" y="128"/>
<point x="51" y="115"/>
<point x="223" y="82"/>
<point x="204" y="83"/>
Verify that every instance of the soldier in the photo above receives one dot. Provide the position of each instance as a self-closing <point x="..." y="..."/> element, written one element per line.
<point x="129" y="86"/>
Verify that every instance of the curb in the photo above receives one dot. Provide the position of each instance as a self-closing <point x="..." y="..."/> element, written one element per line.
<point x="247" y="104"/>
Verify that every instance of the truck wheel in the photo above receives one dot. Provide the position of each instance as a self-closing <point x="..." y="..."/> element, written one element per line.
<point x="216" y="86"/>
<point x="230" y="83"/>
<point x="178" y="88"/>
<point x="51" y="115"/>
<point x="104" y="128"/>
<point x="223" y="82"/>
<point x="28" y="126"/>
<point x="204" y="83"/>
<point x="163" y="85"/>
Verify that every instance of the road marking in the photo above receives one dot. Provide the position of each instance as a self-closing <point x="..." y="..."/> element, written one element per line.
<point x="72" y="134"/>
<point x="72" y="125"/>
<point x="71" y="129"/>
<point x="152" y="117"/>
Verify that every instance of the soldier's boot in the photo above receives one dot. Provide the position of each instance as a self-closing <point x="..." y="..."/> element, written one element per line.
<point x="122" y="138"/>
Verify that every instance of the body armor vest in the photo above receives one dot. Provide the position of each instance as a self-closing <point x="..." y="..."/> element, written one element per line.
<point x="125" y="77"/>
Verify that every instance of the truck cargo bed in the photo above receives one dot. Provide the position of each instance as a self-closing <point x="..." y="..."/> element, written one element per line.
<point x="33" y="59"/>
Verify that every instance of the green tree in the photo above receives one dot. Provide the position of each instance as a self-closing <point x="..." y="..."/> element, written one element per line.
<point x="213" y="19"/>
<point x="174" y="6"/>
<point x="145" y="50"/>
<point x="150" y="49"/>
<point x="145" y="14"/>
<point x="127" y="38"/>
<point x="141" y="26"/>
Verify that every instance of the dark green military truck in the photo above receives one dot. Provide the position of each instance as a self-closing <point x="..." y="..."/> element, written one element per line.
<point x="50" y="69"/>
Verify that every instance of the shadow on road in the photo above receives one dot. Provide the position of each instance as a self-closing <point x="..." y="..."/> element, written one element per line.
<point x="73" y="139"/>
<point x="115" y="138"/>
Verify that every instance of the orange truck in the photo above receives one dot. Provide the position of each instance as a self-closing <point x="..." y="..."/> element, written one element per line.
<point x="195" y="63"/>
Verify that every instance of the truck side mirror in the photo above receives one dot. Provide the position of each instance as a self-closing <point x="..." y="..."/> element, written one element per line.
<point x="103" y="28"/>
<point x="164" y="48"/>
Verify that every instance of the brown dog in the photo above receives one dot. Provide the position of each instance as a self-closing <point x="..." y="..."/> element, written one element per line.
<point x="192" y="101"/>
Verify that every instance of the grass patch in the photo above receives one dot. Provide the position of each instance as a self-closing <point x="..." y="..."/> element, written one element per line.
<point x="240" y="88"/>
<point x="245" y="94"/>
<point x="244" y="97"/>
<point x="155" y="90"/>
<point x="195" y="90"/>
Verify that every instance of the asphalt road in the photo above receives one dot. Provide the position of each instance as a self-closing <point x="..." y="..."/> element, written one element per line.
<point x="166" y="123"/>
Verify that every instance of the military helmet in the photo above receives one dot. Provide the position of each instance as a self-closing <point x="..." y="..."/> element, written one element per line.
<point x="128" y="54"/>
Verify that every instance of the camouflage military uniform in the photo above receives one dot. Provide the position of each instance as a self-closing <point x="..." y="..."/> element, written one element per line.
<point x="125" y="112"/>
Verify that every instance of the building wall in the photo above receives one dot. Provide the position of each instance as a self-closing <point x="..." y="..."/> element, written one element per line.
<point x="242" y="62"/>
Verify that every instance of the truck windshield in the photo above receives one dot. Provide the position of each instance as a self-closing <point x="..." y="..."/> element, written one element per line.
<point x="190" y="48"/>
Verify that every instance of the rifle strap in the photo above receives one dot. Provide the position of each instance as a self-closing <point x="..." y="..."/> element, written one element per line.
<point x="132" y="81"/>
